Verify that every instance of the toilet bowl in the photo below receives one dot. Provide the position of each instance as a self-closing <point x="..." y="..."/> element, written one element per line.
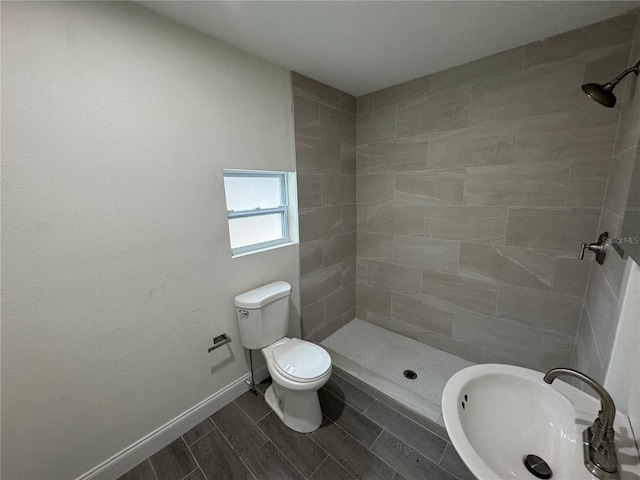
<point x="298" y="368"/>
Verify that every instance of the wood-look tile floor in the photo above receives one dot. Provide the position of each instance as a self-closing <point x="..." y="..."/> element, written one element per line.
<point x="360" y="437"/>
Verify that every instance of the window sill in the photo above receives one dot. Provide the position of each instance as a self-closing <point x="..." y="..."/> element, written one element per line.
<point x="264" y="249"/>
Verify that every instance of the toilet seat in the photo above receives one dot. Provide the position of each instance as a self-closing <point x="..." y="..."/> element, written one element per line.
<point x="301" y="361"/>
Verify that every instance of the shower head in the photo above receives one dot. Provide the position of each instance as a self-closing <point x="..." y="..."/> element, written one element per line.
<point x="603" y="94"/>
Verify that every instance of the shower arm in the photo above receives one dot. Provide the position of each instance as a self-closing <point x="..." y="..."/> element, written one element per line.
<point x="610" y="85"/>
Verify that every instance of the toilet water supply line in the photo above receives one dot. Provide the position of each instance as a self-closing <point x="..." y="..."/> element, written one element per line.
<point x="253" y="382"/>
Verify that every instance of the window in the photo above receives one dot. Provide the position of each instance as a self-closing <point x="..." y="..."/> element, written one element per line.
<point x="257" y="208"/>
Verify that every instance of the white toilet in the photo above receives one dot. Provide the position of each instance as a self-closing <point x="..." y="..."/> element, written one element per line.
<point x="298" y="368"/>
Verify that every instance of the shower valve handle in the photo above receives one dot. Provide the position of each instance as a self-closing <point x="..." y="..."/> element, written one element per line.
<point x="598" y="248"/>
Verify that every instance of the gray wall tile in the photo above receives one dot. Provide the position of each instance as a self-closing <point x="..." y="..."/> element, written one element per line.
<point x="340" y="302"/>
<point x="374" y="245"/>
<point x="460" y="292"/>
<point x="338" y="189"/>
<point x="618" y="186"/>
<point x="535" y="308"/>
<point x="436" y="255"/>
<point x="311" y="257"/>
<point x="420" y="313"/>
<point x="511" y="96"/>
<point x="348" y="158"/>
<point x="525" y="184"/>
<point x="349" y="218"/>
<point x="375" y="188"/>
<point x="556" y="350"/>
<point x="395" y="156"/>
<point x="312" y="317"/>
<point x="568" y="45"/>
<point x="320" y="285"/>
<point x="571" y="276"/>
<point x="338" y="248"/>
<point x="397" y="278"/>
<point x="435" y="113"/>
<point x="337" y="125"/>
<point x="561" y="229"/>
<point x="511" y="340"/>
<point x="470" y="155"/>
<point x="320" y="223"/>
<point x="396" y="219"/>
<point x="377" y="125"/>
<point x="374" y="299"/>
<point x="314" y="90"/>
<point x="601" y="303"/>
<point x="403" y="92"/>
<point x="487" y="144"/>
<point x="478" y="71"/>
<point x="317" y="156"/>
<point x="563" y="136"/>
<point x="309" y="190"/>
<point x="509" y="265"/>
<point x="348" y="102"/>
<point x="469" y="223"/>
<point x="307" y="117"/>
<point x="435" y="187"/>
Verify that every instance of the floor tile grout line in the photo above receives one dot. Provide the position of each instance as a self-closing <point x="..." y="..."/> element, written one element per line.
<point x="330" y="456"/>
<point x="284" y="455"/>
<point x="197" y="467"/>
<point x="153" y="469"/>
<point x="443" y="451"/>
<point x="319" y="465"/>
<point x="269" y="440"/>
<point x="359" y="441"/>
<point x="349" y="403"/>
<point x="194" y="457"/>
<point x="235" y="452"/>
<point x="278" y="448"/>
<point x="364" y="446"/>
<point x="189" y="444"/>
<point x="436" y="464"/>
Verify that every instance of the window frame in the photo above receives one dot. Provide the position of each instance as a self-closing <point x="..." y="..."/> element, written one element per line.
<point x="282" y="209"/>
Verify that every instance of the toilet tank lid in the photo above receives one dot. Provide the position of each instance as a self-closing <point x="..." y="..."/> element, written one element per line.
<point x="261" y="296"/>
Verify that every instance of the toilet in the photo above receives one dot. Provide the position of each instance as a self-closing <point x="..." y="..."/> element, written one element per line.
<point x="298" y="368"/>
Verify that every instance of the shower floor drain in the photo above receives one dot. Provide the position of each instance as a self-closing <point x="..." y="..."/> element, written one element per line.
<point x="410" y="374"/>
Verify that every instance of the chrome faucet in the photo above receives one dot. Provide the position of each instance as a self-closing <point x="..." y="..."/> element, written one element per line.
<point x="599" y="450"/>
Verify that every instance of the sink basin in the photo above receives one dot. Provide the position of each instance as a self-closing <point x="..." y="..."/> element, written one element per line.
<point x="496" y="415"/>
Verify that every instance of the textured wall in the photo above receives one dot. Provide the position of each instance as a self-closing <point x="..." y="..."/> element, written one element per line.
<point x="325" y="125"/>
<point x="116" y="266"/>
<point x="475" y="188"/>
<point x="599" y="317"/>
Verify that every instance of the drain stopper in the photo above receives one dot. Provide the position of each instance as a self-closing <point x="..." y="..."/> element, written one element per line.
<point x="537" y="466"/>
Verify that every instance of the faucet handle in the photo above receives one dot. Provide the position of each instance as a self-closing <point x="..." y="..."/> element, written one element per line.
<point x="599" y="248"/>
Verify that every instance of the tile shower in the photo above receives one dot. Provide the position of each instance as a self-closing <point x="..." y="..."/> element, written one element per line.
<point x="473" y="189"/>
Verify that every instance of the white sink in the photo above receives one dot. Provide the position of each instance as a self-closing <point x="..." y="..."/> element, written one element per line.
<point x="496" y="415"/>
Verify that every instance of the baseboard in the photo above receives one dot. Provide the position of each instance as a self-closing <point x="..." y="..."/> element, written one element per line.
<point x="129" y="457"/>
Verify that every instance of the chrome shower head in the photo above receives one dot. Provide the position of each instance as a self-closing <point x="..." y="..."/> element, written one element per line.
<point x="603" y="94"/>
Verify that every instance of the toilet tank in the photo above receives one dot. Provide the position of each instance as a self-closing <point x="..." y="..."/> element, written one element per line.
<point x="263" y="314"/>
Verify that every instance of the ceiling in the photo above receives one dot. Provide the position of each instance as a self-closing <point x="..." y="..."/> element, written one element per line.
<point x="363" y="46"/>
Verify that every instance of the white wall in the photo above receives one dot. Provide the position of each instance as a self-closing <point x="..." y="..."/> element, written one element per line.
<point x="117" y="273"/>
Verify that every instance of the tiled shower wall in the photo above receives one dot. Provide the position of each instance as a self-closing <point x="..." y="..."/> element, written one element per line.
<point x="599" y="320"/>
<point x="325" y="126"/>
<point x="475" y="188"/>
